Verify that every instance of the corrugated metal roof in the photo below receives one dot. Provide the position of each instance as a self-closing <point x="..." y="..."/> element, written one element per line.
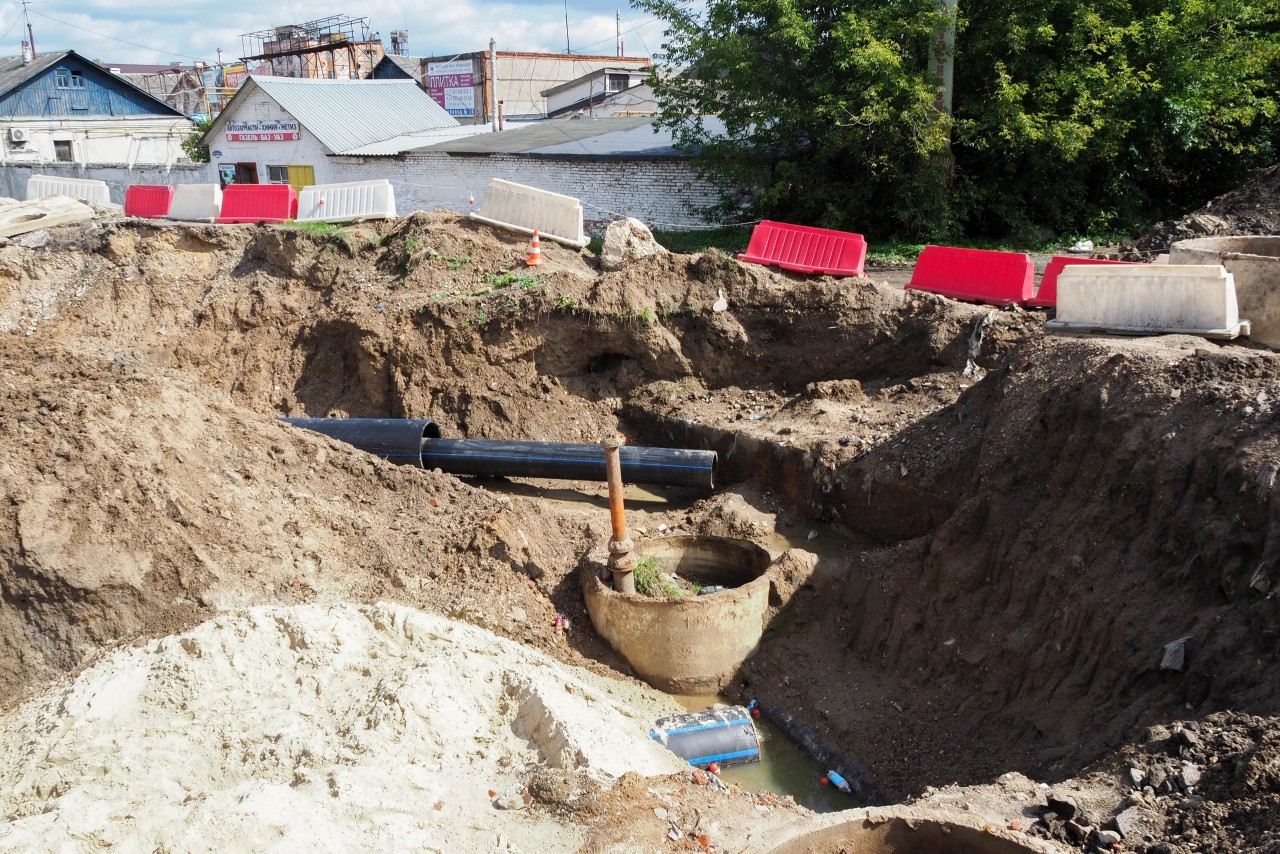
<point x="13" y="72"/>
<point x="349" y="114"/>
<point x="411" y="141"/>
<point x="633" y="136"/>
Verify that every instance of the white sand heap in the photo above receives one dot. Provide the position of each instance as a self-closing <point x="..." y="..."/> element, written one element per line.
<point x="314" y="728"/>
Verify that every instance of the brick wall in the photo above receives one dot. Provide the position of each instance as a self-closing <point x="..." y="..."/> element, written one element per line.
<point x="657" y="191"/>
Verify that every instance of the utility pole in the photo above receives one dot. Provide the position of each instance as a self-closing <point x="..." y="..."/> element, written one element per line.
<point x="617" y="29"/>
<point x="493" y="80"/>
<point x="31" y="36"/>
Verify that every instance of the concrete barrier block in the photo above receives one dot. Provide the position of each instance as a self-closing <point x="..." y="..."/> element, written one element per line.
<point x="93" y="192"/>
<point x="1148" y="299"/>
<point x="517" y="207"/>
<point x="196" y="202"/>
<point x="356" y="200"/>
<point x="1254" y="262"/>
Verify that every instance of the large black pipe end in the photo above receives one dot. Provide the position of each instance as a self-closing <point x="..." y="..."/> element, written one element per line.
<point x="397" y="440"/>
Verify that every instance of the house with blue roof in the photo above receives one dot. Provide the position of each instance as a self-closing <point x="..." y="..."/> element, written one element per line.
<point x="61" y="108"/>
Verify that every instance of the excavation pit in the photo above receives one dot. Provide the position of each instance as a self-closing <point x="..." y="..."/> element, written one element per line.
<point x="689" y="644"/>
<point x="903" y="836"/>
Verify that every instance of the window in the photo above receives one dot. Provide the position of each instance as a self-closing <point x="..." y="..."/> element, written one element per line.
<point x="277" y="174"/>
<point x="617" y="82"/>
<point x="64" y="78"/>
<point x="62" y="150"/>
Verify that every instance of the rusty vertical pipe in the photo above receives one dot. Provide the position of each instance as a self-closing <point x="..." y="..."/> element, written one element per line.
<point x="621" y="563"/>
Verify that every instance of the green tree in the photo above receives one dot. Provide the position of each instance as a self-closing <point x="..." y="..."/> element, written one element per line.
<point x="191" y="145"/>
<point x="1108" y="115"/>
<point x="827" y="108"/>
<point x="1068" y="114"/>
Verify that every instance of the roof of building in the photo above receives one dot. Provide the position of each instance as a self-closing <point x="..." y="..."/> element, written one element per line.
<point x="606" y="104"/>
<point x="411" y="65"/>
<point x="633" y="136"/>
<point x="14" y="72"/>
<point x="591" y="75"/>
<point x="134" y="68"/>
<point x="347" y="115"/>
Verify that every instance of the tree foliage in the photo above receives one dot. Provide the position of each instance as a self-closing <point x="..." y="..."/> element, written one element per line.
<point x="1072" y="115"/>
<point x="191" y="145"/>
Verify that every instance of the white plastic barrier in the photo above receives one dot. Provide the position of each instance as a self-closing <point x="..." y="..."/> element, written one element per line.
<point x="93" y="192"/>
<point x="1148" y="299"/>
<point x="347" y="202"/>
<point x="528" y="209"/>
<point x="196" y="202"/>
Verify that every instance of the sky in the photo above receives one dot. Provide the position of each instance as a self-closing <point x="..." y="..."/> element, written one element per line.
<point x="164" y="31"/>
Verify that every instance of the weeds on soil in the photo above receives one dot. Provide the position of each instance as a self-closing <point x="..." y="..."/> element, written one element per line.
<point x="650" y="583"/>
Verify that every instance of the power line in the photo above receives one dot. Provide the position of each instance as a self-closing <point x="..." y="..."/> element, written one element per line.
<point x="114" y="39"/>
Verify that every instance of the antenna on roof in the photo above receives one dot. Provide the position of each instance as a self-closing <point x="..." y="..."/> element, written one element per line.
<point x="566" y="25"/>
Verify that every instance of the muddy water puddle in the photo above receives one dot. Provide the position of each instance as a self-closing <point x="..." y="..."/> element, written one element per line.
<point x="784" y="768"/>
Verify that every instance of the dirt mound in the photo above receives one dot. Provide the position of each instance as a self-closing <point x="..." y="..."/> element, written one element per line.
<point x="1018" y="525"/>
<point x="1251" y="208"/>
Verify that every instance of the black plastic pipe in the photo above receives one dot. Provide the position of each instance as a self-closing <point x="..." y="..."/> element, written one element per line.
<point x="669" y="466"/>
<point x="417" y="442"/>
<point x="398" y="440"/>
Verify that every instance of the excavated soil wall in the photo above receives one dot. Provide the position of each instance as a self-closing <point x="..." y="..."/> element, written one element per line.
<point x="1023" y="546"/>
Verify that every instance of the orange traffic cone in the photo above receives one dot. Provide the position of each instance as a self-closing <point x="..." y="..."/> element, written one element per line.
<point x="535" y="253"/>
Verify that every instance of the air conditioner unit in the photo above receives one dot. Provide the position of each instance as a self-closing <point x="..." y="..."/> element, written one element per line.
<point x="19" y="134"/>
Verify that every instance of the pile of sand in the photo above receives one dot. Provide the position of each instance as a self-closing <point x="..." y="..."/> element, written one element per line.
<point x="316" y="728"/>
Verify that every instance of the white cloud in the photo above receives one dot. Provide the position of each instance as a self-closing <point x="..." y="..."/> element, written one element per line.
<point x="160" y="31"/>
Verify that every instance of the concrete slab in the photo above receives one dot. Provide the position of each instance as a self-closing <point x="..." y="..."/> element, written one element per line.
<point x="1148" y="300"/>
<point x="21" y="217"/>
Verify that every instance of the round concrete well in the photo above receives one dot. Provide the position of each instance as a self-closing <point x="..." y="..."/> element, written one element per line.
<point x="1254" y="263"/>
<point x="903" y="836"/>
<point x="690" y="644"/>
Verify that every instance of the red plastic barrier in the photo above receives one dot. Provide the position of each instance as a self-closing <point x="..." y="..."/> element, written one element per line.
<point x="1047" y="296"/>
<point x="147" y="200"/>
<point x="803" y="249"/>
<point x="974" y="275"/>
<point x="258" y="203"/>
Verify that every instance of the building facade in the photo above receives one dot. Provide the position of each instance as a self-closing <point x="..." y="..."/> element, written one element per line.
<point x="460" y="83"/>
<point x="62" y="108"/>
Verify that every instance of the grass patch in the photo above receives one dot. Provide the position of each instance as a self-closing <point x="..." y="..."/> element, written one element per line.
<point x="457" y="262"/>
<point x="315" y="229"/>
<point x="650" y="583"/>
<point x="524" y="281"/>
<point x="729" y="240"/>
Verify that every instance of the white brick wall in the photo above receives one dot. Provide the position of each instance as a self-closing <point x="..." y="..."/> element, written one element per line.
<point x="657" y="191"/>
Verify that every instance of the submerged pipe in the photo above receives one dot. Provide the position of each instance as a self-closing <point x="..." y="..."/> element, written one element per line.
<point x="417" y="442"/>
